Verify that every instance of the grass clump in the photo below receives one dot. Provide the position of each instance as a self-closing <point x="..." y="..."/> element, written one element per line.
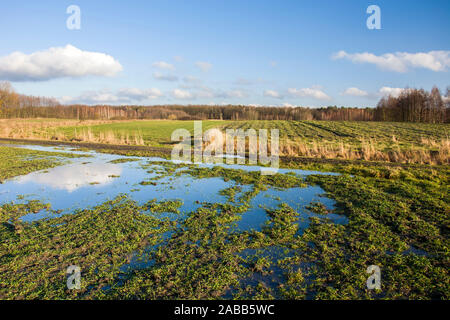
<point x="99" y="241"/>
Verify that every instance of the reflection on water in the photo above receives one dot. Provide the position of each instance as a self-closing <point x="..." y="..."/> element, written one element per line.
<point x="74" y="176"/>
<point x="87" y="182"/>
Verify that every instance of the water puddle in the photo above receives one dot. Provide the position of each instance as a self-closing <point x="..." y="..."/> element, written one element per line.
<point x="89" y="181"/>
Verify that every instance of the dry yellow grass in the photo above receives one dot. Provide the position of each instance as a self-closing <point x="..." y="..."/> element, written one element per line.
<point x="48" y="129"/>
<point x="427" y="150"/>
<point x="368" y="151"/>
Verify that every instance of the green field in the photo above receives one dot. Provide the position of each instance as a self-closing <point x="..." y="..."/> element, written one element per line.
<point x="398" y="219"/>
<point x="155" y="133"/>
<point x="407" y="135"/>
<point x="379" y="141"/>
<point x="410" y="142"/>
<point x="387" y="134"/>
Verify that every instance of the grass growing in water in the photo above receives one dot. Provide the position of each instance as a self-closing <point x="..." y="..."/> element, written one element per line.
<point x="17" y="161"/>
<point x="398" y="219"/>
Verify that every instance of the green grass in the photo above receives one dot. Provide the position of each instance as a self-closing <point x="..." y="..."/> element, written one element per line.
<point x="204" y="257"/>
<point x="18" y="161"/>
<point x="156" y="133"/>
<point x="398" y="218"/>
<point x="378" y="141"/>
<point x="34" y="256"/>
<point x="408" y="135"/>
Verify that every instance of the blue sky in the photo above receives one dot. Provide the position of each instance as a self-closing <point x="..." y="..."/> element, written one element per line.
<point x="309" y="53"/>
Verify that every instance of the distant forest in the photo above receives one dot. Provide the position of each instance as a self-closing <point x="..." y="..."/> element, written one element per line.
<point x="412" y="105"/>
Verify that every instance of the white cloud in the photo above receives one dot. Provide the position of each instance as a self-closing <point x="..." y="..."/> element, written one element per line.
<point x="74" y="176"/>
<point x="125" y="95"/>
<point x="140" y="94"/>
<point x="211" y="93"/>
<point x="163" y="65"/>
<point x="401" y="61"/>
<point x="355" y="92"/>
<point x="204" y="66"/>
<point x="272" y="94"/>
<point x="314" y="92"/>
<point x="57" y="62"/>
<point x="273" y="64"/>
<point x="178" y="58"/>
<point x="182" y="94"/>
<point x="388" y="91"/>
<point x="164" y="77"/>
<point x="236" y="94"/>
<point x="97" y="97"/>
<point x="204" y="92"/>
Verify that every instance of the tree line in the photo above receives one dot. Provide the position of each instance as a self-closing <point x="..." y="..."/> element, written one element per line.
<point x="412" y="105"/>
<point x="415" y="105"/>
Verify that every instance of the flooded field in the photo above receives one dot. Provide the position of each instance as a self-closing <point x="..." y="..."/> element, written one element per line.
<point x="151" y="228"/>
<point x="90" y="179"/>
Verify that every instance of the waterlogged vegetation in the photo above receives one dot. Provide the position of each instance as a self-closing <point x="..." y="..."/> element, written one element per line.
<point x="399" y="223"/>
<point x="35" y="256"/>
<point x="194" y="246"/>
<point x="19" y="161"/>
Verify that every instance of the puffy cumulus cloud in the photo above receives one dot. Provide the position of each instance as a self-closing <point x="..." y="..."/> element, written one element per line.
<point x="388" y="91"/>
<point x="163" y="65"/>
<point x="57" y="62"/>
<point x="355" y="92"/>
<point x="182" y="94"/>
<point x="314" y="92"/>
<point x="204" y="66"/>
<point x="272" y="94"/>
<point x="164" y="77"/>
<point x="401" y="61"/>
<point x="125" y="95"/>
